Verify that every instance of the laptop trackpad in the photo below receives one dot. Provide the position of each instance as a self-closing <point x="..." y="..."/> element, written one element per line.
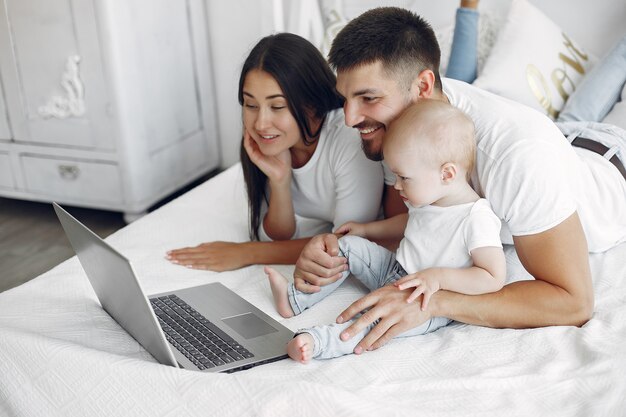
<point x="249" y="325"/>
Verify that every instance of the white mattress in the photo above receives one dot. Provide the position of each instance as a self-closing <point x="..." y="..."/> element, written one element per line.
<point x="62" y="355"/>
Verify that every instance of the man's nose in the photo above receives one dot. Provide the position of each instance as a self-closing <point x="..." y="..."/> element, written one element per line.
<point x="352" y="114"/>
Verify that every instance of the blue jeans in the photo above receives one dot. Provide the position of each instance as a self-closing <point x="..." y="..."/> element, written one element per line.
<point x="598" y="92"/>
<point x="464" y="52"/>
<point x="375" y="267"/>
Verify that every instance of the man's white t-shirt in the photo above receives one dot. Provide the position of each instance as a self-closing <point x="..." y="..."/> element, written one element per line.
<point x="531" y="175"/>
<point x="445" y="236"/>
<point x="338" y="184"/>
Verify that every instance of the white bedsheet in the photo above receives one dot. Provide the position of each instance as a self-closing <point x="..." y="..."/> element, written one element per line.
<point x="62" y="355"/>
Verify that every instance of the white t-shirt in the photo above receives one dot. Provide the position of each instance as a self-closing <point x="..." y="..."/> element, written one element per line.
<point x="445" y="236"/>
<point x="531" y="175"/>
<point x="338" y="184"/>
<point x="390" y="177"/>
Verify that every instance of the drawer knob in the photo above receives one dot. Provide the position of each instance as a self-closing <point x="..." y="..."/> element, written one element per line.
<point x="69" y="172"/>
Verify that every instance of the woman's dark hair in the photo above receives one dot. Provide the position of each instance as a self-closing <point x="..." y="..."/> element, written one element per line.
<point x="308" y="85"/>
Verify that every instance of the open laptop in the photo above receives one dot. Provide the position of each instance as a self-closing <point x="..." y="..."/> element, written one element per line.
<point x="206" y="328"/>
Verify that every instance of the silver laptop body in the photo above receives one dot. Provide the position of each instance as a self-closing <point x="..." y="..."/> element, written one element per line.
<point x="207" y="315"/>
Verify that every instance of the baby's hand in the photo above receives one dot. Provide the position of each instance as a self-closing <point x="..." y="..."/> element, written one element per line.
<point x="426" y="283"/>
<point x="352" y="228"/>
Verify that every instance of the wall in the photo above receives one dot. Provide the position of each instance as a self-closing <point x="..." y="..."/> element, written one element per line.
<point x="234" y="27"/>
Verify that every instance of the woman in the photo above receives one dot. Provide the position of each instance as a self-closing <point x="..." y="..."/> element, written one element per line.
<point x="304" y="169"/>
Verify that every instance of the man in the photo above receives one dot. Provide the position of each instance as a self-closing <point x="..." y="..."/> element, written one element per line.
<point x="552" y="198"/>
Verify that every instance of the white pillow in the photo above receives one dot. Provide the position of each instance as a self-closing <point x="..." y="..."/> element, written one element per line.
<point x="533" y="61"/>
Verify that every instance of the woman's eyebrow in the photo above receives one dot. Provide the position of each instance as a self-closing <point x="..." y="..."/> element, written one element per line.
<point x="245" y="93"/>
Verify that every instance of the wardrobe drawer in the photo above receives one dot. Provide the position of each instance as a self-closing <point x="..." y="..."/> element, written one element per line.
<point x="6" y="176"/>
<point x="72" y="179"/>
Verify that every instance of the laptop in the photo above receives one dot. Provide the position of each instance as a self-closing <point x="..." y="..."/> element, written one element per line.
<point x="206" y="328"/>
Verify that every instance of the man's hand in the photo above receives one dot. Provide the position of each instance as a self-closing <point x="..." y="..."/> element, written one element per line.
<point x="319" y="264"/>
<point x="387" y="304"/>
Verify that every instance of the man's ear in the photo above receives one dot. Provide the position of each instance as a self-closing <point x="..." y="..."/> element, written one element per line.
<point x="448" y="172"/>
<point x="423" y="86"/>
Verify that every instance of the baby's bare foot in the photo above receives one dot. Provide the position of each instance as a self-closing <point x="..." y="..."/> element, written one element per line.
<point x="300" y="348"/>
<point x="279" y="283"/>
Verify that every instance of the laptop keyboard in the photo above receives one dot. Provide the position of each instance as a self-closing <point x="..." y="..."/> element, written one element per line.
<point x="194" y="336"/>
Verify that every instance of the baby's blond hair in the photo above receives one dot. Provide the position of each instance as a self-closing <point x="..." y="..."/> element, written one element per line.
<point x="437" y="130"/>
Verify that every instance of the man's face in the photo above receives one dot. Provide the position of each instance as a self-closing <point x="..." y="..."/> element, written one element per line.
<point x="372" y="101"/>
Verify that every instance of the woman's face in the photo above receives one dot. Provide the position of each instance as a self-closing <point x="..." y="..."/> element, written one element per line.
<point x="266" y="116"/>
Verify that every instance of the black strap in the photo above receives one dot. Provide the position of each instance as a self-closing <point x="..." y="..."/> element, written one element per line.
<point x="597" y="147"/>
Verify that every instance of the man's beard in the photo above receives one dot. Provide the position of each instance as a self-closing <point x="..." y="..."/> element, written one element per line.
<point x="370" y="151"/>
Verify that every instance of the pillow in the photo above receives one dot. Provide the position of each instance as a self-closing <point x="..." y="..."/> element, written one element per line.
<point x="617" y="115"/>
<point x="533" y="61"/>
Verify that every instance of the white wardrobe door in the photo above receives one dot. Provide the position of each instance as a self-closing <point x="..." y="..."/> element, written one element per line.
<point x="54" y="81"/>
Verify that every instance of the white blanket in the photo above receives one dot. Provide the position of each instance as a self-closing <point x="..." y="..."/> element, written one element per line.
<point x="62" y="355"/>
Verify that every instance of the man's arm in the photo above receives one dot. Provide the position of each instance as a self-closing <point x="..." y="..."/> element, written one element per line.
<point x="561" y="294"/>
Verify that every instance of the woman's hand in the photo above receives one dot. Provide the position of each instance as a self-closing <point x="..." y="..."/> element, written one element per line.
<point x="213" y="256"/>
<point x="277" y="168"/>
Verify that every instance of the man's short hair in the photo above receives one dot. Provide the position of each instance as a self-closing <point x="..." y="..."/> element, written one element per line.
<point x="401" y="40"/>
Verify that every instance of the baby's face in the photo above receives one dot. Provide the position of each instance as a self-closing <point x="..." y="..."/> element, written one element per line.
<point x="418" y="180"/>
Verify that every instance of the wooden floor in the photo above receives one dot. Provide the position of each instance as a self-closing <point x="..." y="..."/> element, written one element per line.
<point x="32" y="240"/>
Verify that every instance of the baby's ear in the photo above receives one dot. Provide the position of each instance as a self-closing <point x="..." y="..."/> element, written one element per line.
<point x="448" y="172"/>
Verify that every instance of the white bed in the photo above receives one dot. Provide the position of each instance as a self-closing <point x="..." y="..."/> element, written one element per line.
<point x="62" y="355"/>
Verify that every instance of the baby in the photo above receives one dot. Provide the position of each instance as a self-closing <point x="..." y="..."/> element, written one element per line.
<point x="451" y="235"/>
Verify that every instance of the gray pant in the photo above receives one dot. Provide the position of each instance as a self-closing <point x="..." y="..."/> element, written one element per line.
<point x="375" y="267"/>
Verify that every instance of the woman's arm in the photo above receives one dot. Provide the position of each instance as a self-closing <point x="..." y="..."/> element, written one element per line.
<point x="226" y="256"/>
<point x="279" y="222"/>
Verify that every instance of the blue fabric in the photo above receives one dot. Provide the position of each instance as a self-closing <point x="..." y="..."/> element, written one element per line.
<point x="463" y="61"/>
<point x="598" y="92"/>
